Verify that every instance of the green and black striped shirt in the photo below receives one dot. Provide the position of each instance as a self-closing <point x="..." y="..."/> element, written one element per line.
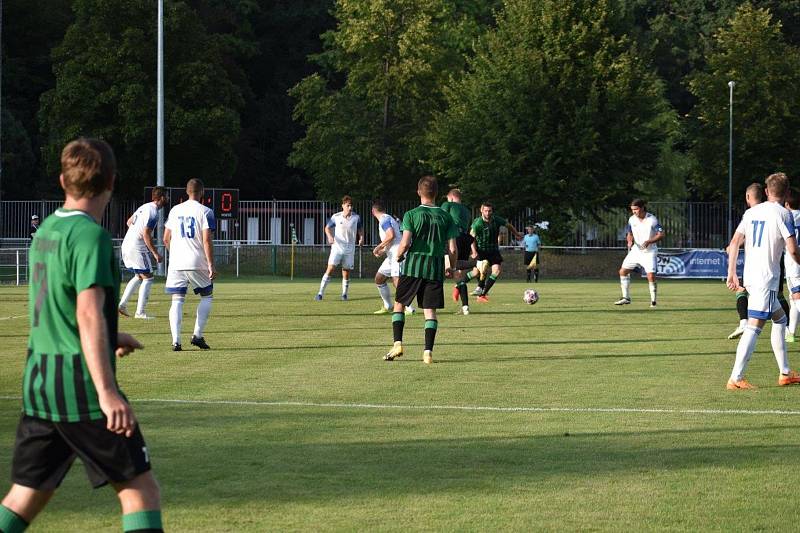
<point x="486" y="233"/>
<point x="431" y="228"/>
<point x="69" y="254"/>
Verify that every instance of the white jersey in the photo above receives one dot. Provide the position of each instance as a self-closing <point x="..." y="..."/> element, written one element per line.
<point x="792" y="268"/>
<point x="144" y="217"/>
<point x="765" y="227"/>
<point x="643" y="230"/>
<point x="187" y="221"/>
<point x="345" y="231"/>
<point x="388" y="221"/>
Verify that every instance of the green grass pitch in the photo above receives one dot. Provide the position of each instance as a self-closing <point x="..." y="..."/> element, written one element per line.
<point x="293" y="421"/>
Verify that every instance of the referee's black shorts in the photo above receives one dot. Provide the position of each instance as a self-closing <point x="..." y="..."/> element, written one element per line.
<point x="429" y="293"/>
<point x="529" y="257"/>
<point x="44" y="452"/>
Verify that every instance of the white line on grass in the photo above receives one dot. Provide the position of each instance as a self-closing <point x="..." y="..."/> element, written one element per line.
<point x="334" y="405"/>
<point x="12" y="317"/>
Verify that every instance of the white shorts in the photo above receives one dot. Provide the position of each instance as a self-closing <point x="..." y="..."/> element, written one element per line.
<point x="138" y="261"/>
<point x="640" y="258"/>
<point x="179" y="280"/>
<point x="793" y="283"/>
<point x="761" y="302"/>
<point x="390" y="267"/>
<point x="340" y="257"/>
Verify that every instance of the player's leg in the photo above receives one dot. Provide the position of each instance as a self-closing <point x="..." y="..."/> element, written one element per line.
<point x="176" y="286"/>
<point x="334" y="260"/>
<point x="759" y="310"/>
<point x="628" y="264"/>
<point x="741" y="310"/>
<point x="383" y="289"/>
<point x="432" y="298"/>
<point x="203" y="287"/>
<point x="778" y="341"/>
<point x="130" y="288"/>
<point x="406" y="291"/>
<point x="794" y="311"/>
<point x="144" y="294"/>
<point x="496" y="261"/>
<point x="348" y="262"/>
<point x="462" y="277"/>
<point x="653" y="286"/>
<point x="535" y="263"/>
<point x="140" y="499"/>
<point x="20" y="506"/>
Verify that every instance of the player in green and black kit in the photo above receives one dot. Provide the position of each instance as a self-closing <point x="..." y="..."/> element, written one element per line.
<point x="465" y="243"/>
<point x="72" y="405"/>
<point x="486" y="230"/>
<point x="428" y="234"/>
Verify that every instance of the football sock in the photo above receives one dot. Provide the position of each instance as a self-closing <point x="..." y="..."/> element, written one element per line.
<point x="489" y="284"/>
<point x="11" y="522"/>
<point x="386" y="295"/>
<point x="142" y="521"/>
<point x="528" y="274"/>
<point x="469" y="276"/>
<point x="625" y="284"/>
<point x="398" y="322"/>
<point x="324" y="283"/>
<point x="345" y="285"/>
<point x="176" y="317"/>
<point x="779" y="344"/>
<point x="430" y="333"/>
<point x="144" y="295"/>
<point x="794" y="315"/>
<point x="653" y="291"/>
<point x="203" y="310"/>
<point x="463" y="292"/>
<point x="744" y="351"/>
<point x="130" y="288"/>
<point x="535" y="274"/>
<point x="741" y="305"/>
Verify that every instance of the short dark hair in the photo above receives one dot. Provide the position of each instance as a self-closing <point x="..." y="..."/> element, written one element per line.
<point x="793" y="198"/>
<point x="428" y="186"/>
<point x="757" y="190"/>
<point x="487" y="203"/>
<point x="158" y="193"/>
<point x="379" y="205"/>
<point x="638" y="202"/>
<point x="346" y="199"/>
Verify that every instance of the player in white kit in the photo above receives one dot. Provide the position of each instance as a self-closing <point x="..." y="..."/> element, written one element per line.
<point x="136" y="250"/>
<point x="343" y="231"/>
<point x="390" y="234"/>
<point x="642" y="234"/>
<point x="792" y="203"/>
<point x="189" y="236"/>
<point x="766" y="229"/>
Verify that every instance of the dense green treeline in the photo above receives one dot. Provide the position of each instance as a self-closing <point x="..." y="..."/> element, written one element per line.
<point x="569" y="106"/>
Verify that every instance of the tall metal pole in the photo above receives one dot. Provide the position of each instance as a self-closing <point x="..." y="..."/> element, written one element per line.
<point x="1" y="116"/>
<point x="160" y="120"/>
<point x="731" y="85"/>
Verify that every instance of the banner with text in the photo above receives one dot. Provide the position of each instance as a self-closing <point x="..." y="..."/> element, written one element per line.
<point x="697" y="264"/>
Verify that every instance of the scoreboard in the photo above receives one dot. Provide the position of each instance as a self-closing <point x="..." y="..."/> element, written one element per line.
<point x="224" y="202"/>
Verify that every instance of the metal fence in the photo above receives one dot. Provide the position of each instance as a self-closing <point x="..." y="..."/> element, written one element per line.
<point x="687" y="224"/>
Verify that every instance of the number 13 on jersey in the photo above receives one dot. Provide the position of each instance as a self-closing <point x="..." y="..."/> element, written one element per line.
<point x="188" y="225"/>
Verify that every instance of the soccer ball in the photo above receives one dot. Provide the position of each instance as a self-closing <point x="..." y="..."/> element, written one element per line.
<point x="530" y="296"/>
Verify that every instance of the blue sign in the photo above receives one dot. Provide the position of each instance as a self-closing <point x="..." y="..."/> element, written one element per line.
<point x="697" y="264"/>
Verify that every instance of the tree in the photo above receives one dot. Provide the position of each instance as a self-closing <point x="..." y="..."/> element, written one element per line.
<point x="367" y="112"/>
<point x="751" y="51"/>
<point x="105" y="86"/>
<point x="556" y="112"/>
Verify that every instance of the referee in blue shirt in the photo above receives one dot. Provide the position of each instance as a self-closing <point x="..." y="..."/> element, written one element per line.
<point x="531" y="241"/>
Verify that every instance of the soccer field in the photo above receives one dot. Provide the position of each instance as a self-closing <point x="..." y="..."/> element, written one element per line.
<point x="571" y="414"/>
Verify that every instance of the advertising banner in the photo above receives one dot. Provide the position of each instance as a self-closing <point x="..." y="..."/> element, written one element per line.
<point x="696" y="264"/>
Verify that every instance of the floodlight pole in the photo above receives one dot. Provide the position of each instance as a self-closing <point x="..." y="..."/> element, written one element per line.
<point x="1" y="114"/>
<point x="731" y="85"/>
<point x="160" y="122"/>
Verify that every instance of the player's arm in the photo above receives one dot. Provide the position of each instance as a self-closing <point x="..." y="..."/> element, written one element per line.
<point x="629" y="238"/>
<point x="167" y="237"/>
<point x="512" y="229"/>
<point x="793" y="248"/>
<point x="129" y="221"/>
<point x="208" y="249"/>
<point x="329" y="231"/>
<point x="452" y="252"/>
<point x="147" y="237"/>
<point x="94" y="343"/>
<point x="733" y="255"/>
<point x="360" y="234"/>
<point x="405" y="244"/>
<point x="655" y="238"/>
<point x="384" y="244"/>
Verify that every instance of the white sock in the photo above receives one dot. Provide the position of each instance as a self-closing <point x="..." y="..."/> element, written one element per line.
<point x="744" y="350"/>
<point x="324" y="283"/>
<point x="132" y="285"/>
<point x="743" y="323"/>
<point x="203" y="310"/>
<point x="386" y="295"/>
<point x="410" y="308"/>
<point x="176" y="317"/>
<point x="625" y="284"/>
<point x="345" y="285"/>
<point x="144" y="295"/>
<point x="794" y="315"/>
<point x="653" y="291"/>
<point x="779" y="344"/>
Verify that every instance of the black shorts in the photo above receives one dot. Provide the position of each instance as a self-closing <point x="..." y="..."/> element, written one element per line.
<point x="493" y="257"/>
<point x="44" y="452"/>
<point x="464" y="245"/>
<point x="430" y="294"/>
<point x="529" y="257"/>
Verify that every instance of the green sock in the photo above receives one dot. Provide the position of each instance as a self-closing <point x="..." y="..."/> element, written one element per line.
<point x="398" y="322"/>
<point x="11" y="522"/>
<point x="142" y="521"/>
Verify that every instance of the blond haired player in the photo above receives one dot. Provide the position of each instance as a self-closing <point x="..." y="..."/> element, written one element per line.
<point x="642" y="234"/>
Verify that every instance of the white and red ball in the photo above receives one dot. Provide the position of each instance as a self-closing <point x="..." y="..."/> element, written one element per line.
<point x="530" y="296"/>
